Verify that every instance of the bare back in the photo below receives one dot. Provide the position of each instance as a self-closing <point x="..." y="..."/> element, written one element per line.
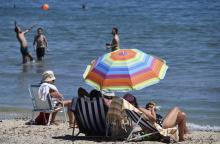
<point x="115" y="41"/>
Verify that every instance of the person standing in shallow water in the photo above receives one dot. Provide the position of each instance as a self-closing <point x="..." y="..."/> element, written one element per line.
<point x="41" y="44"/>
<point x="23" y="43"/>
<point x="115" y="40"/>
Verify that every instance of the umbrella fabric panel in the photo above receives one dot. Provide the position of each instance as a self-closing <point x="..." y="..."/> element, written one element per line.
<point x="124" y="70"/>
<point x="156" y="66"/>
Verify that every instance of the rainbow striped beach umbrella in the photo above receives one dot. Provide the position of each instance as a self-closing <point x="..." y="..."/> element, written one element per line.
<point x="125" y="70"/>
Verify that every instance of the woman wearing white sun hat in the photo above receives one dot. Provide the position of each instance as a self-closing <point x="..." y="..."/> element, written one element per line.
<point x="48" y="87"/>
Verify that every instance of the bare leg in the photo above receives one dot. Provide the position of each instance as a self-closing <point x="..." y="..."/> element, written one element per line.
<point x="30" y="57"/>
<point x="186" y="131"/>
<point x="181" y="121"/>
<point x="68" y="103"/>
<point x="24" y="59"/>
<point x="53" y="117"/>
<point x="173" y="118"/>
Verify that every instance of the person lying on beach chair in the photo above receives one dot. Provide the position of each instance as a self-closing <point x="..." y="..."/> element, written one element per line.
<point x="47" y="87"/>
<point x="175" y="117"/>
<point x="90" y="113"/>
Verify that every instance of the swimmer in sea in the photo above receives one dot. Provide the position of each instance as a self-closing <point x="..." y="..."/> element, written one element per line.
<point x="23" y="43"/>
<point x="41" y="44"/>
<point x="115" y="40"/>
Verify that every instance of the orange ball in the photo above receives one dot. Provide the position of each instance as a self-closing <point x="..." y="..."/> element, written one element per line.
<point x="45" y="7"/>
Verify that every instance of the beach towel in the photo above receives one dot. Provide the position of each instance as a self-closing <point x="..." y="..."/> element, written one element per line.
<point x="168" y="131"/>
<point x="117" y="119"/>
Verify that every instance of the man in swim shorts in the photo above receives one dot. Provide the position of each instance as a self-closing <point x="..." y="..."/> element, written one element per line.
<point x="115" y="40"/>
<point x="23" y="43"/>
<point x="41" y="44"/>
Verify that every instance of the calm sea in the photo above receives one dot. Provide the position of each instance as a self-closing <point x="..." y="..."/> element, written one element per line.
<point x="185" y="33"/>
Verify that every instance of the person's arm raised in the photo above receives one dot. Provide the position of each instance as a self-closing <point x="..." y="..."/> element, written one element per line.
<point x="29" y="28"/>
<point x="15" y="23"/>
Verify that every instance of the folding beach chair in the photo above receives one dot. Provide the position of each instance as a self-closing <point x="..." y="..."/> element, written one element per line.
<point x="145" y="124"/>
<point x="43" y="106"/>
<point x="139" y="120"/>
<point x="90" y="115"/>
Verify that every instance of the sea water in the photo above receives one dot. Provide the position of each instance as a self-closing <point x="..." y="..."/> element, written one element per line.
<point x="185" y="33"/>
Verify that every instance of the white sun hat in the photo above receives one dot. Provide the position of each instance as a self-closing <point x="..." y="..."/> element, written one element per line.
<point x="107" y="93"/>
<point x="48" y="76"/>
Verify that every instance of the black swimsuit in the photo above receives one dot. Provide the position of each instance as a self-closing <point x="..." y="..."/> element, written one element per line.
<point x="24" y="51"/>
<point x="159" y="119"/>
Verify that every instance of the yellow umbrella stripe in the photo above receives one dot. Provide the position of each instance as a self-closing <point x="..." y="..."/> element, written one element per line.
<point x="92" y="83"/>
<point x="146" y="83"/>
<point x="163" y="71"/>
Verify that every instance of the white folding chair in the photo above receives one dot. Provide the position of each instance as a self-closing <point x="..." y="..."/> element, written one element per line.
<point x="43" y="106"/>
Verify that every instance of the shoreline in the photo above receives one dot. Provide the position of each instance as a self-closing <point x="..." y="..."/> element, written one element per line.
<point x="16" y="131"/>
<point x="10" y="113"/>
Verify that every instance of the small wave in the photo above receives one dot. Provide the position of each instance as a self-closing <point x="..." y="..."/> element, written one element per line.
<point x="196" y="127"/>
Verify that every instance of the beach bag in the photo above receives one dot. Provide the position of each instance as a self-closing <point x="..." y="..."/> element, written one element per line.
<point x="42" y="118"/>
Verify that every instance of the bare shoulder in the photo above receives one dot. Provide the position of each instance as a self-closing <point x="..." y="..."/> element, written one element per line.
<point x="144" y="110"/>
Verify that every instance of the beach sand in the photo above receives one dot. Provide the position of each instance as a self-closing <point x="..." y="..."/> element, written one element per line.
<point x="16" y="131"/>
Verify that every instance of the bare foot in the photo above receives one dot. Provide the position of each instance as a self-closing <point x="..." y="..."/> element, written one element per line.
<point x="54" y="123"/>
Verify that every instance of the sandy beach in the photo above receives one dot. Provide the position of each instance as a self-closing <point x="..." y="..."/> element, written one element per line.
<point x="16" y="131"/>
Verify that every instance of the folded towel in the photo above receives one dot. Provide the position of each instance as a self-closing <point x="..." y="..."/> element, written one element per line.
<point x="44" y="90"/>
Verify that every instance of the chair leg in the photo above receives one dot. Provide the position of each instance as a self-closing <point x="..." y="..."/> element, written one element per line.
<point x="107" y="129"/>
<point x="48" y="123"/>
<point x="64" y="111"/>
<point x="136" y="124"/>
<point x="32" y="116"/>
<point x="74" y="129"/>
<point x="142" y="136"/>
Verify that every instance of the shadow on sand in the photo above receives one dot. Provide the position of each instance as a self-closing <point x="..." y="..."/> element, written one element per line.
<point x="84" y="138"/>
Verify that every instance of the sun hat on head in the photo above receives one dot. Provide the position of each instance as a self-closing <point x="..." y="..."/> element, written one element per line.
<point x="48" y="76"/>
<point x="107" y="93"/>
